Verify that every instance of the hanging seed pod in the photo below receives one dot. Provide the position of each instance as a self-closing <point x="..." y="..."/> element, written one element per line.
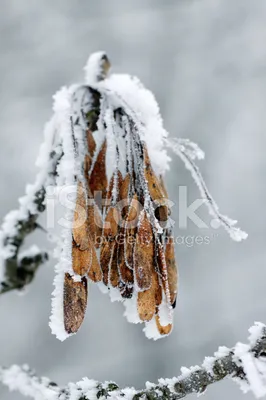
<point x="163" y="330"/>
<point x="81" y="259"/>
<point x="172" y="272"/>
<point x="131" y="231"/>
<point x="91" y="143"/>
<point x="74" y="303"/>
<point x="147" y="300"/>
<point x="98" y="180"/>
<point x="106" y="259"/>
<point x="163" y="271"/>
<point x="144" y="253"/>
<point x="114" y="277"/>
<point x="154" y="185"/>
<point x="124" y="193"/>
<point x="79" y="229"/>
<point x="126" y="274"/>
<point x="108" y="242"/>
<point x="94" y="272"/>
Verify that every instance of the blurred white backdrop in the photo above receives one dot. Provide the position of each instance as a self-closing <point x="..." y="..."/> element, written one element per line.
<point x="205" y="61"/>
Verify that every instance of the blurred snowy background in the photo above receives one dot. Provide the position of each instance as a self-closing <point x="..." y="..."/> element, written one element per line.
<point x="205" y="61"/>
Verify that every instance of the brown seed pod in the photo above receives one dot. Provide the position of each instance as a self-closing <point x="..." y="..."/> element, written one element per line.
<point x="163" y="271"/>
<point x="163" y="330"/>
<point x="147" y="300"/>
<point x="91" y="143"/>
<point x="98" y="179"/>
<point x="81" y="259"/>
<point x="126" y="274"/>
<point x="144" y="253"/>
<point x="79" y="229"/>
<point x="106" y="258"/>
<point x="114" y="274"/>
<point x="123" y="194"/>
<point x="111" y="222"/>
<point x="87" y="167"/>
<point x="172" y="272"/>
<point x="94" y="272"/>
<point x="75" y="303"/>
<point x="154" y="185"/>
<point x="94" y="223"/>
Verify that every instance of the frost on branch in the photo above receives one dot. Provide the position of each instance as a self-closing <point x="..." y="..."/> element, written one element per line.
<point x="17" y="271"/>
<point x="107" y="148"/>
<point x="245" y="364"/>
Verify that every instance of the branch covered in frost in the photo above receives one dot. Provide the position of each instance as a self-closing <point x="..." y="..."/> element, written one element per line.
<point x="16" y="272"/>
<point x="245" y="364"/>
<point x="188" y="152"/>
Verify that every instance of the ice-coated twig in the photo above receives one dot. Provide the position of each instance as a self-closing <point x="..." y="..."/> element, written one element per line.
<point x="15" y="274"/>
<point x="245" y="364"/>
<point x="188" y="152"/>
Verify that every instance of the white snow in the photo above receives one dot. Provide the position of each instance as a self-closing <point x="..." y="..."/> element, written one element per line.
<point x="256" y="377"/>
<point x="188" y="152"/>
<point x="30" y="252"/>
<point x="128" y="92"/>
<point x="93" y="67"/>
<point x="256" y="332"/>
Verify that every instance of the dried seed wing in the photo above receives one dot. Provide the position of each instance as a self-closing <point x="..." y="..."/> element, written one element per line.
<point x="111" y="223"/>
<point x="163" y="330"/>
<point x="154" y="184"/>
<point x="106" y="257"/>
<point x="133" y="212"/>
<point x="94" y="272"/>
<point x="163" y="270"/>
<point x="98" y="179"/>
<point x="75" y="303"/>
<point x="81" y="259"/>
<point x="114" y="277"/>
<point x="158" y="291"/>
<point x="172" y="271"/>
<point x="87" y="166"/>
<point x="123" y="195"/>
<point x="94" y="222"/>
<point x="130" y="240"/>
<point x="144" y="253"/>
<point x="147" y="300"/>
<point x="91" y="143"/>
<point x="126" y="274"/>
<point x="79" y="226"/>
<point x="131" y="231"/>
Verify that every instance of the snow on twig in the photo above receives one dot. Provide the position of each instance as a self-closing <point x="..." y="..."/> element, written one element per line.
<point x="245" y="364"/>
<point x="188" y="152"/>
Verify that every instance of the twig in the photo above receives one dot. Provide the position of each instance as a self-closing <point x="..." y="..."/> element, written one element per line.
<point x="225" y="363"/>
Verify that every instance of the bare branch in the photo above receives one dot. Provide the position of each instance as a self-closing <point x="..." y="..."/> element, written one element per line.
<point x="234" y="363"/>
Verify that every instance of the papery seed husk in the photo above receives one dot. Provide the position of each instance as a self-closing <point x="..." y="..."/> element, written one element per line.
<point x="91" y="143"/>
<point x="74" y="303"/>
<point x="147" y="300"/>
<point x="163" y="330"/>
<point x="144" y="253"/>
<point x="94" y="272"/>
<point x="81" y="259"/>
<point x="106" y="257"/>
<point x="98" y="178"/>
<point x="172" y="271"/>
<point x="79" y="228"/>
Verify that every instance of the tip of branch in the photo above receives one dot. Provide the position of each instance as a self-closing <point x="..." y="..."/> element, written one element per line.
<point x="97" y="67"/>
